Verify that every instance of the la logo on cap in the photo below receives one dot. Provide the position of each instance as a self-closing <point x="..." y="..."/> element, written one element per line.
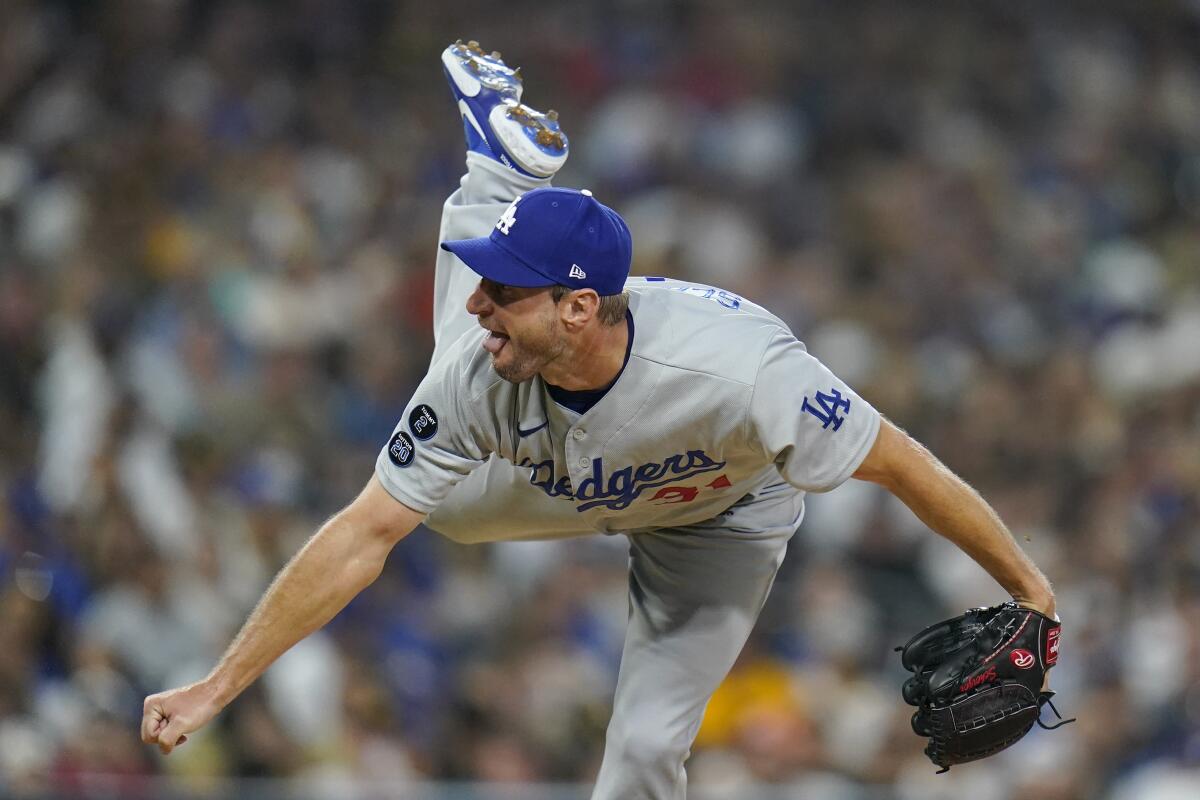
<point x="576" y="272"/>
<point x="508" y="218"/>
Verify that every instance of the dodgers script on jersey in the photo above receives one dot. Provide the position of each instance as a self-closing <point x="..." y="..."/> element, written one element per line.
<point x="719" y="411"/>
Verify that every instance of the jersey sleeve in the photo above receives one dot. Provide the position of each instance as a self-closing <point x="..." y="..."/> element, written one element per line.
<point x="435" y="445"/>
<point x="805" y="419"/>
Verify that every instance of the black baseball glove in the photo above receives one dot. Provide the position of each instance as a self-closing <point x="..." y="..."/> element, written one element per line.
<point x="977" y="681"/>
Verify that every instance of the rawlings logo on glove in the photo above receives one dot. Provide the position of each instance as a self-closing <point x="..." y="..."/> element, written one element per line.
<point x="977" y="681"/>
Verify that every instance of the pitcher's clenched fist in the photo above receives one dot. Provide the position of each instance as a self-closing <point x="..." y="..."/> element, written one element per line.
<point x="168" y="717"/>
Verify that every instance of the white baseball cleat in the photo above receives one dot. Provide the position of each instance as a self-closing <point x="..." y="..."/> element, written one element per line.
<point x="496" y="123"/>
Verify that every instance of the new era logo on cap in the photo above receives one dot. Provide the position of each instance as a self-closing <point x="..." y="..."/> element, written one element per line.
<point x="558" y="230"/>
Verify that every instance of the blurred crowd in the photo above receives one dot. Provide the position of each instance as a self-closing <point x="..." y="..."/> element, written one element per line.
<point x="217" y="231"/>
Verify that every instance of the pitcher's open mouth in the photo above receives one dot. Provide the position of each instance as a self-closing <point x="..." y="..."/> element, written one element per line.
<point x="494" y="342"/>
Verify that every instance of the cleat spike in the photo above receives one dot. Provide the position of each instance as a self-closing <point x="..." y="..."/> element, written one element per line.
<point x="552" y="115"/>
<point x="517" y="73"/>
<point x="522" y="116"/>
<point x="496" y="55"/>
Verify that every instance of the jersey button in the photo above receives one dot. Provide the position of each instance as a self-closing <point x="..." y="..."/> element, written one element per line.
<point x="579" y="433"/>
<point x="583" y="462"/>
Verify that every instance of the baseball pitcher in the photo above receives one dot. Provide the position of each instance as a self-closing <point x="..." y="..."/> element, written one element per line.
<point x="567" y="399"/>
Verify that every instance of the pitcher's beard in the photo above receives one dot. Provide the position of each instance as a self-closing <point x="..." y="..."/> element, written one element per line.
<point x="520" y="370"/>
<point x="528" y="358"/>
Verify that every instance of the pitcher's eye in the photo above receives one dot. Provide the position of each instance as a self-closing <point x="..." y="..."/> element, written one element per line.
<point x="499" y="292"/>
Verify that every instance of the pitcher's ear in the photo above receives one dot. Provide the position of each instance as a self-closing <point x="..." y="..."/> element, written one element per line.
<point x="578" y="307"/>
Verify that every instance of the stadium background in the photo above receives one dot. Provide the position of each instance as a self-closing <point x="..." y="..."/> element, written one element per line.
<point x="217" y="228"/>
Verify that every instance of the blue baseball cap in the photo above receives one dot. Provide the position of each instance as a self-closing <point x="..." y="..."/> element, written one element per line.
<point x="553" y="237"/>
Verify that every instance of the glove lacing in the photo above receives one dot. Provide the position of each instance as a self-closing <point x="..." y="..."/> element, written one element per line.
<point x="1045" y="700"/>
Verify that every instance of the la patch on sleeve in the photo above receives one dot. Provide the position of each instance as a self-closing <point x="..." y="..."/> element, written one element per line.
<point x="401" y="449"/>
<point x="827" y="408"/>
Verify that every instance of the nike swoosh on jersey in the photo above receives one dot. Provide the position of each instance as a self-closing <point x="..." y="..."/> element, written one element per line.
<point x="531" y="431"/>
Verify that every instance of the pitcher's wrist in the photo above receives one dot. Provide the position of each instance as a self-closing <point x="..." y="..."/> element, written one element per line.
<point x="218" y="689"/>
<point x="1041" y="601"/>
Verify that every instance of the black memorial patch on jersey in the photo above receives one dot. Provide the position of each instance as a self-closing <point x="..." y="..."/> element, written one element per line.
<point x="401" y="449"/>
<point x="423" y="422"/>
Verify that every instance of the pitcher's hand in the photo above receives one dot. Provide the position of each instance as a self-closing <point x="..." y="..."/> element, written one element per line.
<point x="168" y="717"/>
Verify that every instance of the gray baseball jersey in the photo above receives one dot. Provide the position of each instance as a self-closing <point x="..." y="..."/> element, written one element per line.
<point x="720" y="415"/>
